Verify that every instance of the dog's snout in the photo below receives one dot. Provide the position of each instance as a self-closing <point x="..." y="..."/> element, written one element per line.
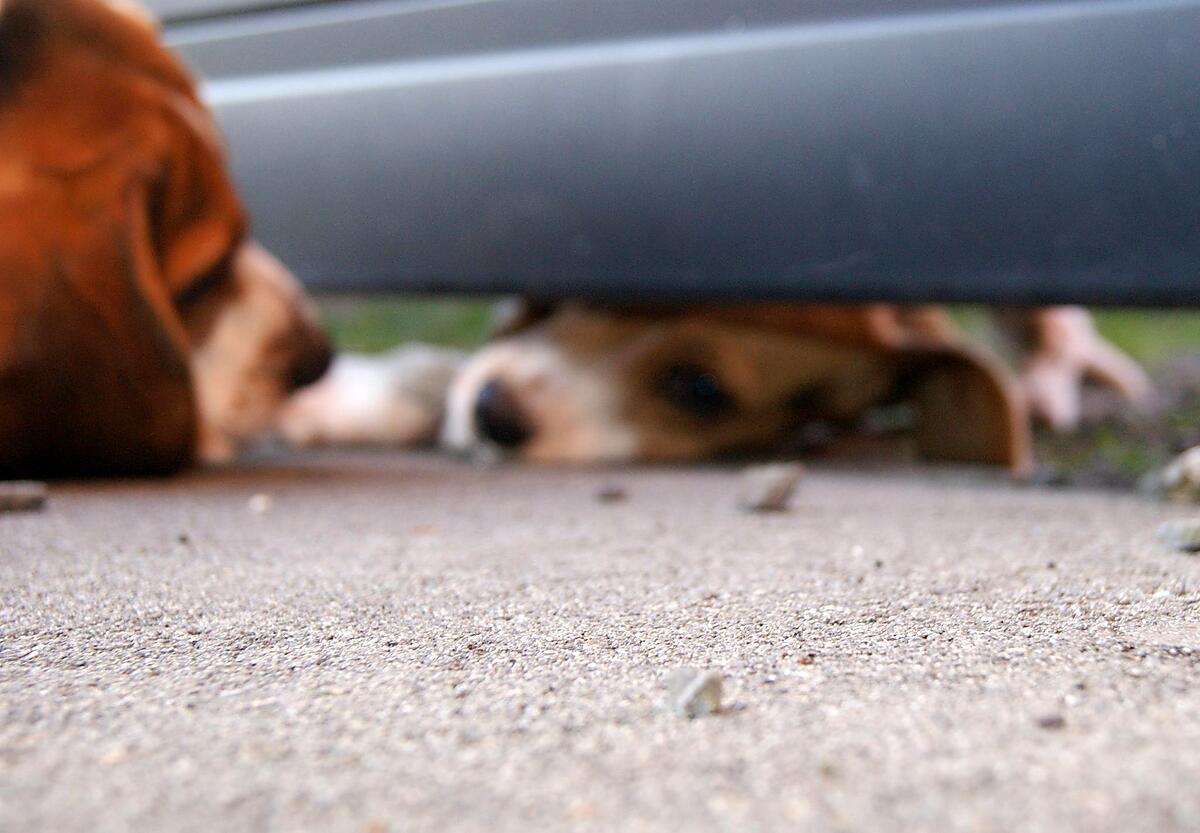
<point x="311" y="363"/>
<point x="498" y="416"/>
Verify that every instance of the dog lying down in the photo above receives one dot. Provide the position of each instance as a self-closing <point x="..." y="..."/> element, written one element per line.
<point x="139" y="328"/>
<point x="586" y="383"/>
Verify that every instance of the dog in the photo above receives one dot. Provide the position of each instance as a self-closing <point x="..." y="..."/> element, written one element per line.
<point x="593" y="383"/>
<point x="596" y="383"/>
<point x="140" y="329"/>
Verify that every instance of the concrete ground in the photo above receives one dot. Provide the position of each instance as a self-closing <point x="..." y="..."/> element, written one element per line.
<point x="401" y="643"/>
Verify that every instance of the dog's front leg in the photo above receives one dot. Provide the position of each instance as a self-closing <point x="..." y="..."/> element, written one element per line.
<point x="1062" y="351"/>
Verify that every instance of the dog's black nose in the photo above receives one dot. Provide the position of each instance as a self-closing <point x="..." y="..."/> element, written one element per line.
<point x="498" y="417"/>
<point x="310" y="363"/>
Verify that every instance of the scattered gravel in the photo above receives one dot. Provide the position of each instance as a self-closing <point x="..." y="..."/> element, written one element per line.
<point x="692" y="693"/>
<point x="769" y="488"/>
<point x="22" y="496"/>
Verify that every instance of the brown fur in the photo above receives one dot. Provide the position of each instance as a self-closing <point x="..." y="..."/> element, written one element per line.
<point x="117" y="214"/>
<point x="968" y="406"/>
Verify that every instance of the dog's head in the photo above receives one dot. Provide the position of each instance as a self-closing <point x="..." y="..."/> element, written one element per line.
<point x="591" y="383"/>
<point x="124" y="266"/>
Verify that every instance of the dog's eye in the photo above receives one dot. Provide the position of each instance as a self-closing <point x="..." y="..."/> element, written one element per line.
<point x="696" y="391"/>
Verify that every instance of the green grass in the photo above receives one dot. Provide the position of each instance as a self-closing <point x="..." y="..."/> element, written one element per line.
<point x="374" y="324"/>
<point x="1150" y="336"/>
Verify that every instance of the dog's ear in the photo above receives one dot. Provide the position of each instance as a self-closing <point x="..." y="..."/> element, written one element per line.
<point x="968" y="408"/>
<point x="94" y="377"/>
<point x="197" y="220"/>
<point x="115" y="205"/>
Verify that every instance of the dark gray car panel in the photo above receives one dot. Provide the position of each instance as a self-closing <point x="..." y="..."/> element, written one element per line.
<point x="954" y="151"/>
<point x="324" y="35"/>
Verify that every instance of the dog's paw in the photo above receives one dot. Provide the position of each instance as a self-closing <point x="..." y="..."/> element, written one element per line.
<point x="1065" y="352"/>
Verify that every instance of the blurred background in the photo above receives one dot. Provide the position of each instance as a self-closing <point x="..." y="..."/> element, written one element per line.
<point x="1115" y="448"/>
<point x="962" y="151"/>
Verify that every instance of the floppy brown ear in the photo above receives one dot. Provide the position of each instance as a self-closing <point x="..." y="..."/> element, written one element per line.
<point x="94" y="378"/>
<point x="132" y="94"/>
<point x="197" y="219"/>
<point x="969" y="410"/>
<point x="107" y="224"/>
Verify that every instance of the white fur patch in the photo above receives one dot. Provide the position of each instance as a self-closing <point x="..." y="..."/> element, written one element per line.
<point x="573" y="409"/>
<point x="393" y="399"/>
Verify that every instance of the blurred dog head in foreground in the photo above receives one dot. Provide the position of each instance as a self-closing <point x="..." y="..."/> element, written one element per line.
<point x="137" y="325"/>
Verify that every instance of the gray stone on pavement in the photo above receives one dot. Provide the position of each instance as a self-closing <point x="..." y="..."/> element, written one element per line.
<point x="769" y="488"/>
<point x="1183" y="535"/>
<point x="22" y="496"/>
<point x="693" y="693"/>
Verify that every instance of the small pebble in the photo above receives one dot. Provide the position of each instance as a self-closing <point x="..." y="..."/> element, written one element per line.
<point x="1051" y="721"/>
<point x="692" y="693"/>
<point x="611" y="493"/>
<point x="769" y="488"/>
<point x="22" y="496"/>
<point x="260" y="504"/>
<point x="1181" y="535"/>
<point x="1180" y="480"/>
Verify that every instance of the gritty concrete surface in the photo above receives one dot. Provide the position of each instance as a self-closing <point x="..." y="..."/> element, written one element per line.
<point x="401" y="643"/>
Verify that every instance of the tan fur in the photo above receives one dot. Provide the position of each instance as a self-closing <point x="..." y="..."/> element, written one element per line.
<point x="257" y="333"/>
